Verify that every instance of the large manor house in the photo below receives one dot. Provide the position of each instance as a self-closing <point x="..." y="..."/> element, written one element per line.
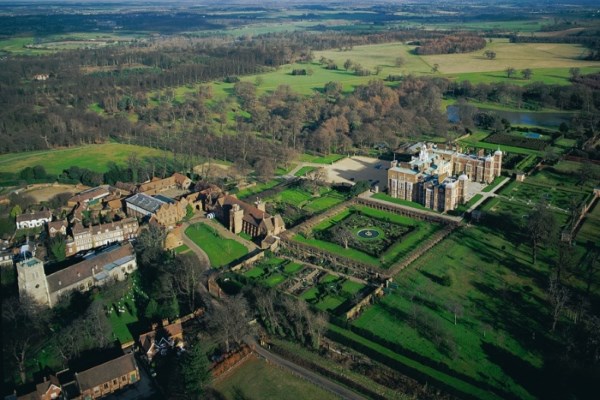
<point x="439" y="177"/>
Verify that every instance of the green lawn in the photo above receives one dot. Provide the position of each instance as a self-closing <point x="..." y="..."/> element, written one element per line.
<point x="181" y="249"/>
<point x="330" y="302"/>
<point x="351" y="287"/>
<point x="590" y="228"/>
<point x="259" y="187"/>
<point x="549" y="76"/>
<point x="274" y="280"/>
<point x="321" y="159"/>
<point x="304" y="170"/>
<point x="219" y="250"/>
<point x="119" y="321"/>
<point x="255" y="272"/>
<point x="292" y="268"/>
<point x="385" y="197"/>
<point x="257" y="379"/>
<point x="497" y="180"/>
<point x="94" y="157"/>
<point x="475" y="262"/>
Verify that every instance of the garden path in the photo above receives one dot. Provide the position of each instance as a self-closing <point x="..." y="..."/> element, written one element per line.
<point x="487" y="195"/>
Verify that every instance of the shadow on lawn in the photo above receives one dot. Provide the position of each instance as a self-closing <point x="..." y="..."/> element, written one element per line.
<point x="523" y="373"/>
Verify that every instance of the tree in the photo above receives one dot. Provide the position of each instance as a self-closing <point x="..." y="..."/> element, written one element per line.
<point x="230" y="320"/>
<point x="343" y="235"/>
<point x="187" y="276"/>
<point x="16" y="211"/>
<point x="565" y="261"/>
<point x="265" y="168"/>
<point x="489" y="54"/>
<point x="574" y="73"/>
<point x="150" y="245"/>
<point x="586" y="173"/>
<point x="348" y="64"/>
<point x="541" y="226"/>
<point x="559" y="297"/>
<point x="58" y="248"/>
<point x="510" y="72"/>
<point x="24" y="322"/>
<point x="527" y="73"/>
<point x="435" y="68"/>
<point x="195" y="373"/>
<point x="400" y="61"/>
<point x="378" y="69"/>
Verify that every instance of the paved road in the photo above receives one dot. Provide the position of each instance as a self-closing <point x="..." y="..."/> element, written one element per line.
<point x="310" y="376"/>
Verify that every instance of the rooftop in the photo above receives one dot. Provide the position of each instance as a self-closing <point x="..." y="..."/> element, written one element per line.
<point x="145" y="202"/>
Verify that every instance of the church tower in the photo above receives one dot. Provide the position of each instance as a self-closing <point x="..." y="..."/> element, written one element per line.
<point x="32" y="280"/>
<point x="236" y="215"/>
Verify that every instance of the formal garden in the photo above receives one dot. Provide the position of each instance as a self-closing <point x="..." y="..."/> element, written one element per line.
<point x="374" y="237"/>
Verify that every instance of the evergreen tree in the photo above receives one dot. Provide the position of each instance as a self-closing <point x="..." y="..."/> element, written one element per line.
<point x="195" y="372"/>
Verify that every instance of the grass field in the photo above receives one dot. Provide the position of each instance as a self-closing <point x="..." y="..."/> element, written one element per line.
<point x="219" y="250"/>
<point x="549" y="76"/>
<point x="94" y="157"/>
<point x="477" y="264"/>
<point x="256" y="379"/>
<point x="516" y="55"/>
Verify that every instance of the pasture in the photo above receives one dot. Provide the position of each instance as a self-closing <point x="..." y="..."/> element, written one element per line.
<point x="515" y="55"/>
<point x="94" y="157"/>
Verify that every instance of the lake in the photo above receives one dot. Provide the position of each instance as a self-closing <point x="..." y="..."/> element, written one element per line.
<point x="545" y="119"/>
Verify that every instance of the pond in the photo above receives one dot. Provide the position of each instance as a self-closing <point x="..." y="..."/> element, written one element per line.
<point x="546" y="119"/>
<point x="368" y="233"/>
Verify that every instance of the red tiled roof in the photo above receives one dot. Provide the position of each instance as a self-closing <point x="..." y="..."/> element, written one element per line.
<point x="106" y="372"/>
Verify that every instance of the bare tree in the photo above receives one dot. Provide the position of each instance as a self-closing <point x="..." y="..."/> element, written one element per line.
<point x="559" y="297"/>
<point x="231" y="320"/>
<point x="23" y="323"/>
<point x="187" y="277"/>
<point x="541" y="226"/>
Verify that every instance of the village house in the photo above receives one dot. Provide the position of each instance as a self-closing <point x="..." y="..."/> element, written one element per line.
<point x="34" y="219"/>
<point x="99" y="235"/>
<point x="96" y="269"/>
<point x="90" y="196"/>
<point x="107" y="378"/>
<point x="161" y="339"/>
<point x="48" y="389"/>
<point x="92" y="383"/>
<point x="57" y="228"/>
